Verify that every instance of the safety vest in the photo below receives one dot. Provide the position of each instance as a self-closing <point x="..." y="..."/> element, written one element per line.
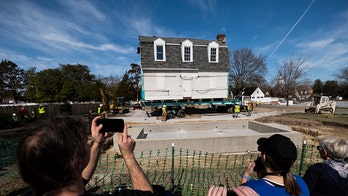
<point x="250" y="107"/>
<point x="41" y="110"/>
<point x="236" y="108"/>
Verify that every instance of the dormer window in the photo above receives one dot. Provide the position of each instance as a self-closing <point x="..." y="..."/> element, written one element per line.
<point x="187" y="51"/>
<point x="159" y="49"/>
<point x="213" y="52"/>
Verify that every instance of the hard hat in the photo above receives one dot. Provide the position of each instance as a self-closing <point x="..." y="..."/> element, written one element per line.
<point x="14" y="114"/>
<point x="101" y="105"/>
<point x="164" y="106"/>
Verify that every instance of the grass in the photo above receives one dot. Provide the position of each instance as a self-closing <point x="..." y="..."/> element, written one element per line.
<point x="328" y="119"/>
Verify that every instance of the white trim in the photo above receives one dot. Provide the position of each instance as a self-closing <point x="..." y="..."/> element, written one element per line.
<point x="172" y="44"/>
<point x="215" y="45"/>
<point x="184" y="44"/>
<point x="159" y="42"/>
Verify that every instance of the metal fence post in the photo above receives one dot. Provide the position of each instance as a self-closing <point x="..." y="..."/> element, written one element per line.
<point x="303" y="155"/>
<point x="172" y="169"/>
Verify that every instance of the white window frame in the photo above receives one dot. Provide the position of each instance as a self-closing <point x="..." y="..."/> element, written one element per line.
<point x="159" y="42"/>
<point x="216" y="46"/>
<point x="186" y="43"/>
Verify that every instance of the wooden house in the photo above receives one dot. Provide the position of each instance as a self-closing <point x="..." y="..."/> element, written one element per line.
<point x="184" y="68"/>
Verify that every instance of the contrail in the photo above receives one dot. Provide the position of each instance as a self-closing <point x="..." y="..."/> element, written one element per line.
<point x="292" y="28"/>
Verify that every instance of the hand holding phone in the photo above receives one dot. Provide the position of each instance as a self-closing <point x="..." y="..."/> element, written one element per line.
<point x="111" y="125"/>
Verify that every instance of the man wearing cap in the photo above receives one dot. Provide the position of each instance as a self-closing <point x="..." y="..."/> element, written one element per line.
<point x="278" y="154"/>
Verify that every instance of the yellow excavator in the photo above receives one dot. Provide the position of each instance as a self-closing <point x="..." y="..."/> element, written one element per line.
<point x="112" y="103"/>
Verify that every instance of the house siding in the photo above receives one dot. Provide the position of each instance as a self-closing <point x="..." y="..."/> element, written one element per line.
<point x="174" y="79"/>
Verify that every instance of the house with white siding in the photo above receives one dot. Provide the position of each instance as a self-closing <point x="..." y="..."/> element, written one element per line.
<point x="184" y="68"/>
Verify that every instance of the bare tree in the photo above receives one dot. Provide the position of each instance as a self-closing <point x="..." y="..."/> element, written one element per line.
<point x="246" y="70"/>
<point x="290" y="73"/>
<point x="342" y="76"/>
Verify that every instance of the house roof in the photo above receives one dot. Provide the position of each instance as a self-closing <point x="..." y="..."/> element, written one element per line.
<point x="173" y="54"/>
<point x="248" y="91"/>
<point x="195" y="41"/>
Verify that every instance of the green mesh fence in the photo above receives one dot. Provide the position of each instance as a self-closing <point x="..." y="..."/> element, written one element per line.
<point x="183" y="171"/>
<point x="8" y="147"/>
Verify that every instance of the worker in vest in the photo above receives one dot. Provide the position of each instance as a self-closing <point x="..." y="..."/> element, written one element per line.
<point x="164" y="113"/>
<point x="14" y="117"/>
<point x="249" y="108"/>
<point x="100" y="109"/>
<point x="236" y="111"/>
<point x="32" y="116"/>
<point x="41" y="111"/>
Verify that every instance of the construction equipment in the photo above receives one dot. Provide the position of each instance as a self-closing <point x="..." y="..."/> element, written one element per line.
<point x="112" y="103"/>
<point x="321" y="104"/>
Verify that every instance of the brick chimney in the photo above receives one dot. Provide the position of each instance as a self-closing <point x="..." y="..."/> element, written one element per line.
<point x="221" y="38"/>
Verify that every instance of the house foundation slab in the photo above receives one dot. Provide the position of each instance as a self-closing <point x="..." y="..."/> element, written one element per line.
<point x="212" y="137"/>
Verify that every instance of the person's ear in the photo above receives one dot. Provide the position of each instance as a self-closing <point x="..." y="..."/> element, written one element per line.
<point x="264" y="157"/>
<point x="326" y="153"/>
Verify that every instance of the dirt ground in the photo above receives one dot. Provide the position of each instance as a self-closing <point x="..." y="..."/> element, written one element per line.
<point x="313" y="130"/>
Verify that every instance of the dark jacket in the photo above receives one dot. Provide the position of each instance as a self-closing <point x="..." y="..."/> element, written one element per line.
<point x="321" y="179"/>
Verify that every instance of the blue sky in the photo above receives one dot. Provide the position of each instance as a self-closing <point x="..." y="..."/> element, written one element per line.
<point x="103" y="34"/>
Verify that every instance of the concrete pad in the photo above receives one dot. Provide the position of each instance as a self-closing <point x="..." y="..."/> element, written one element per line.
<point x="213" y="137"/>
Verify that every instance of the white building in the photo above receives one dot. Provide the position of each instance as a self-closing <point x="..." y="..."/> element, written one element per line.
<point x="183" y="68"/>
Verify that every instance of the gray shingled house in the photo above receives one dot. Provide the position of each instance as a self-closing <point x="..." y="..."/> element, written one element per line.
<point x="183" y="68"/>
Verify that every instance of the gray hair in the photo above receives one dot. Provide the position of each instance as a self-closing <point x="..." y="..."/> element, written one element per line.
<point x="337" y="148"/>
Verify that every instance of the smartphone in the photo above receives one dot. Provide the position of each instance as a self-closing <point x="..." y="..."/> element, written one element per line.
<point x="111" y="125"/>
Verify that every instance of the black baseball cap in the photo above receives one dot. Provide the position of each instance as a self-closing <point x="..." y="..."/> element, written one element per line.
<point x="278" y="147"/>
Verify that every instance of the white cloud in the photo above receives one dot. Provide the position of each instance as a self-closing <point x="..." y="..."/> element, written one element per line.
<point x="81" y="8"/>
<point x="206" y="6"/>
<point x="316" y="45"/>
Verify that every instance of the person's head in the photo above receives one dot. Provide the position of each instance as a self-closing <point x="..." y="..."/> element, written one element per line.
<point x="278" y="154"/>
<point x="53" y="154"/>
<point x="333" y="148"/>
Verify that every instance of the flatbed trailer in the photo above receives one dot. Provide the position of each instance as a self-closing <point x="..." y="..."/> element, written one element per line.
<point x="182" y="107"/>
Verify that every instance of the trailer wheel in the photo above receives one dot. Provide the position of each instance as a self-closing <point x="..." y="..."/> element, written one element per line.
<point x="170" y="114"/>
<point x="181" y="114"/>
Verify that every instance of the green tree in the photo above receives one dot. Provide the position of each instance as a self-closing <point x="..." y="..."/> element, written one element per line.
<point x="77" y="79"/>
<point x="330" y="88"/>
<point x="135" y="77"/>
<point x="12" y="84"/>
<point x="318" y="87"/>
<point x="48" y="84"/>
<point x="67" y="92"/>
<point x="246" y="69"/>
<point x="30" y="87"/>
<point x="125" y="88"/>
